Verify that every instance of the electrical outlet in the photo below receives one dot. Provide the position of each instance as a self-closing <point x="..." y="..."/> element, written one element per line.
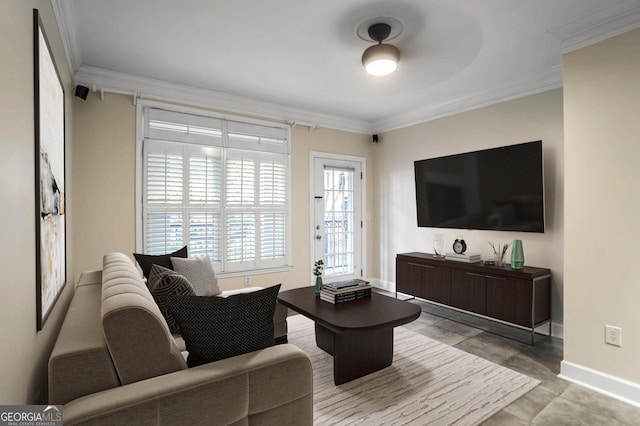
<point x="613" y="335"/>
<point x="247" y="281"/>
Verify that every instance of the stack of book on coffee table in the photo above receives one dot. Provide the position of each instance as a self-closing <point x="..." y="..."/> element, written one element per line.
<point x="344" y="291"/>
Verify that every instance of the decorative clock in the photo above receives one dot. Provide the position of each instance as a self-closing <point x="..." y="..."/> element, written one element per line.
<point x="459" y="246"/>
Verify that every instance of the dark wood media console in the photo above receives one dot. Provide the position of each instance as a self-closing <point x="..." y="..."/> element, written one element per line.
<point x="520" y="297"/>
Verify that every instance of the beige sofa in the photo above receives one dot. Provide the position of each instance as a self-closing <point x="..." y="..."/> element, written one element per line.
<point x="115" y="362"/>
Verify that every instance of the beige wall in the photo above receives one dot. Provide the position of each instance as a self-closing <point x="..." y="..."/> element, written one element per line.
<point x="104" y="173"/>
<point x="23" y="351"/>
<point x="522" y="120"/>
<point x="602" y="284"/>
<point x="104" y="178"/>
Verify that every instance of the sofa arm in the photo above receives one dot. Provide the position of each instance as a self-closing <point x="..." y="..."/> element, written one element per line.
<point x="272" y="386"/>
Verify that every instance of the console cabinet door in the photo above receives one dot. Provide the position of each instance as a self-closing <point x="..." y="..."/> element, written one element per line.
<point x="509" y="300"/>
<point x="408" y="277"/>
<point x="436" y="284"/>
<point x="469" y="291"/>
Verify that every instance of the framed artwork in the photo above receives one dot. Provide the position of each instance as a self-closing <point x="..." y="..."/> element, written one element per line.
<point x="51" y="248"/>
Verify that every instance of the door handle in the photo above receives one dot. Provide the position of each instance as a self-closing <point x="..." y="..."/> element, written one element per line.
<point x="318" y="237"/>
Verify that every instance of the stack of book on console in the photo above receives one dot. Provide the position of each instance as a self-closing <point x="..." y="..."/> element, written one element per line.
<point x="464" y="257"/>
<point x="344" y="291"/>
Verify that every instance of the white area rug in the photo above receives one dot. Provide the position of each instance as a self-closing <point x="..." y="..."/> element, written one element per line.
<point x="429" y="383"/>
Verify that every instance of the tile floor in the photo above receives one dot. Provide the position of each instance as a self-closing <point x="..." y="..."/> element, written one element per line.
<point x="554" y="401"/>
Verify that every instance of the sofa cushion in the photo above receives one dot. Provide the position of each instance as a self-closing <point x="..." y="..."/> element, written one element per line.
<point x="273" y="386"/>
<point x="163" y="282"/>
<point x="215" y="328"/>
<point x="199" y="272"/>
<point x="147" y="260"/>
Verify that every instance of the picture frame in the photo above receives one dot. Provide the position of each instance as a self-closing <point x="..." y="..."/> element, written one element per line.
<point x="50" y="174"/>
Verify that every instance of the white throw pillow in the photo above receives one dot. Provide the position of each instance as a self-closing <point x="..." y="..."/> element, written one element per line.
<point x="199" y="272"/>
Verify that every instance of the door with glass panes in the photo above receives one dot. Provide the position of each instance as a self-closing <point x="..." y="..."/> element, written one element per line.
<point x="337" y="217"/>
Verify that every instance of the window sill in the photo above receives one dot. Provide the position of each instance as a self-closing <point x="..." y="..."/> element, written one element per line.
<point x="254" y="272"/>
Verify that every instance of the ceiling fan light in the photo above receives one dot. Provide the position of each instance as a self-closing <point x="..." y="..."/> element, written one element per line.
<point x="381" y="59"/>
<point x="381" y="67"/>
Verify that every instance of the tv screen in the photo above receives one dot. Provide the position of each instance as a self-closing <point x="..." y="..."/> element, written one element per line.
<point x="493" y="189"/>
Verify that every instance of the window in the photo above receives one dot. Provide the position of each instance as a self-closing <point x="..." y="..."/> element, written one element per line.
<point x="218" y="186"/>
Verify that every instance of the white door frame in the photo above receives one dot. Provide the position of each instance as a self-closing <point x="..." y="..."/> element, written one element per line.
<point x="313" y="155"/>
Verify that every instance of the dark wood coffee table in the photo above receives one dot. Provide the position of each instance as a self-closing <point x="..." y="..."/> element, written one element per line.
<point x="359" y="333"/>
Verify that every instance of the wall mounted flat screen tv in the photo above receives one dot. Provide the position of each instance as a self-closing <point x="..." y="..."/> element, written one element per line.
<point x="492" y="189"/>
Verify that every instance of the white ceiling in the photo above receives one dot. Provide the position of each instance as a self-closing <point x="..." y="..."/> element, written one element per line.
<point x="300" y="60"/>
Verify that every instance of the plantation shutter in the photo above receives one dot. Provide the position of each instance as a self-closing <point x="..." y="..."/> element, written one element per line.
<point x="219" y="187"/>
<point x="205" y="203"/>
<point x="272" y="193"/>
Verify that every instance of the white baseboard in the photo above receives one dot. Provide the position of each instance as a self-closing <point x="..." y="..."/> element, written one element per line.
<point x="381" y="284"/>
<point x="557" y="330"/>
<point x="606" y="384"/>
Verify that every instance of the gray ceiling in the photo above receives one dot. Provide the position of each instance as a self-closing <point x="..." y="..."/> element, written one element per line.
<point x="300" y="59"/>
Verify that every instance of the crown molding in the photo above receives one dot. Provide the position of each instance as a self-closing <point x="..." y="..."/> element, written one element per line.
<point x="529" y="84"/>
<point x="99" y="79"/>
<point x="66" y="18"/>
<point x="598" y="25"/>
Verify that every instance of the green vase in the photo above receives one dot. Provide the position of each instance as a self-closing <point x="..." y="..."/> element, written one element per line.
<point x="517" y="255"/>
<point x="318" y="285"/>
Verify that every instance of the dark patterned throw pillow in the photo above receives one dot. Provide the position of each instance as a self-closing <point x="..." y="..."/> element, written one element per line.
<point x="164" y="282"/>
<point x="147" y="260"/>
<point x="215" y="328"/>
